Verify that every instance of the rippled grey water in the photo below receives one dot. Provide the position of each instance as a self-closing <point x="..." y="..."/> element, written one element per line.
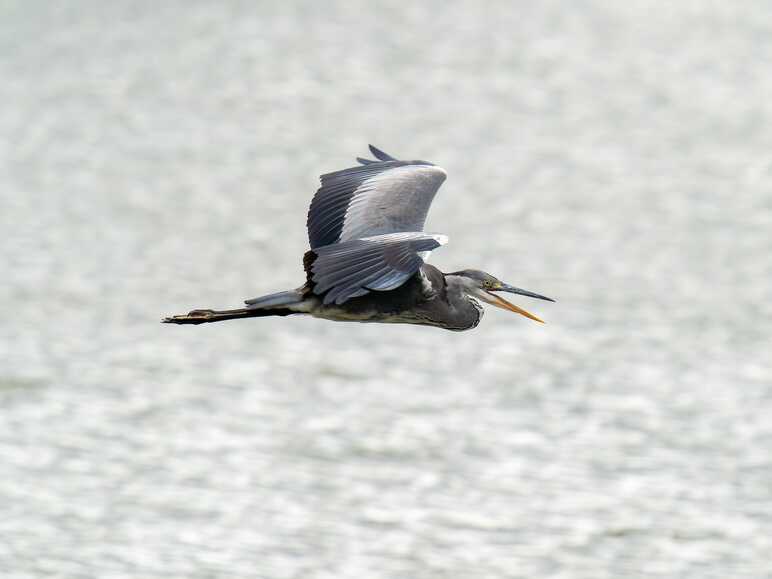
<point x="159" y="157"/>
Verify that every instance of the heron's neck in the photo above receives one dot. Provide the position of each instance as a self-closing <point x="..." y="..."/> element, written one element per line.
<point x="459" y="291"/>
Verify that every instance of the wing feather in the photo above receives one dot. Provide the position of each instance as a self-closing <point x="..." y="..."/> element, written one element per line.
<point x="380" y="154"/>
<point x="351" y="268"/>
<point x="375" y="198"/>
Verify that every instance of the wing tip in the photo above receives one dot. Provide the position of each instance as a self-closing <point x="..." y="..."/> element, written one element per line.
<point x="440" y="238"/>
<point x="380" y="154"/>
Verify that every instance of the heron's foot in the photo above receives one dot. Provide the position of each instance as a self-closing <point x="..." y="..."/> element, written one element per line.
<point x="193" y="317"/>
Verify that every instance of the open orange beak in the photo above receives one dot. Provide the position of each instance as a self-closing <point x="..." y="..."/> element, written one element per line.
<point x="500" y="302"/>
<point x="504" y="304"/>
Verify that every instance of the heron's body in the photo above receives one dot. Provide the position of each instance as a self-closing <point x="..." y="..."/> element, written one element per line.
<point x="367" y="261"/>
<point x="423" y="299"/>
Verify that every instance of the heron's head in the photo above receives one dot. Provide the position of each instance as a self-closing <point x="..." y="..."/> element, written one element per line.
<point x="481" y="286"/>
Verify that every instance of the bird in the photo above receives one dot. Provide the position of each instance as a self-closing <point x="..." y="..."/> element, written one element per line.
<point x="368" y="254"/>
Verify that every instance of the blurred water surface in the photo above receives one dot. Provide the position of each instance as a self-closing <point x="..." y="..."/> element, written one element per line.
<point x="160" y="157"/>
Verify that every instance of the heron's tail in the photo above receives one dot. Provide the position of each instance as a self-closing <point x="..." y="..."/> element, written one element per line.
<point x="279" y="299"/>
<point x="278" y="304"/>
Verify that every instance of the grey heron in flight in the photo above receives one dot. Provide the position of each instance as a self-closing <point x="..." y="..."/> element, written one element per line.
<point x="367" y="261"/>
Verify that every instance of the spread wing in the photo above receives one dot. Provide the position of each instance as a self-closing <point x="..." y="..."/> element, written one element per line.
<point x="376" y="198"/>
<point x="354" y="267"/>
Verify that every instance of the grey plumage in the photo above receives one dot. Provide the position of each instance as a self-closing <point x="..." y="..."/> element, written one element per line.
<point x="365" y="226"/>
<point x="386" y="196"/>
<point x="275" y="300"/>
<point x="383" y="262"/>
<point x="380" y="155"/>
<point x="367" y="256"/>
